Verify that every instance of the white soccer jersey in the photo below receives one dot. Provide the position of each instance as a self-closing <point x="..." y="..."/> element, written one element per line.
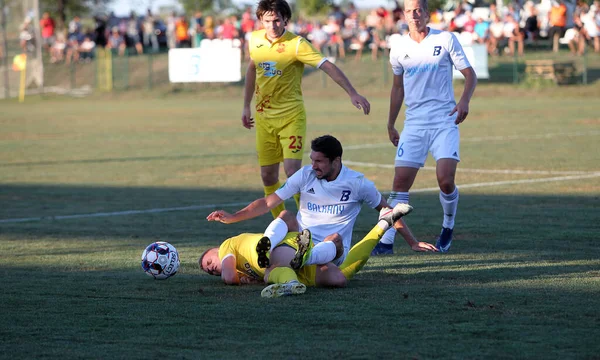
<point x="328" y="207"/>
<point x="427" y="72"/>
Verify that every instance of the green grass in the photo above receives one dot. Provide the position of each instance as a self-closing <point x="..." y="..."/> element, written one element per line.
<point x="522" y="279"/>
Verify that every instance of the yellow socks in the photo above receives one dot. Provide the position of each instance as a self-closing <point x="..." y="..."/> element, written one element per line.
<point x="359" y="254"/>
<point x="281" y="275"/>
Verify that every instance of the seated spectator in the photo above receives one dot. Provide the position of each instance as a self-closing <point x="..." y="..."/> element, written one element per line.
<point x="360" y="41"/>
<point x="319" y="38"/>
<point x="181" y="33"/>
<point x="532" y="25"/>
<point x="116" y="41"/>
<point x="496" y="34"/>
<point x="132" y="38"/>
<point x="72" y="53"/>
<point x="86" y="49"/>
<point x="591" y="24"/>
<point x="26" y="35"/>
<point x="57" y="51"/>
<point x="481" y="32"/>
<point x="513" y="34"/>
<point x="378" y="35"/>
<point x="557" y="18"/>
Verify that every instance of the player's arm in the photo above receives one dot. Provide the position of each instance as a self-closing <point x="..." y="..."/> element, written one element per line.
<point x="256" y="208"/>
<point x="462" y="107"/>
<point x="249" y="87"/>
<point x="396" y="100"/>
<point x="340" y="78"/>
<point x="406" y="234"/>
<point x="229" y="273"/>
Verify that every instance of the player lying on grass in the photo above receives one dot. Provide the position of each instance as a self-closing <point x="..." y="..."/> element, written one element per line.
<point x="237" y="259"/>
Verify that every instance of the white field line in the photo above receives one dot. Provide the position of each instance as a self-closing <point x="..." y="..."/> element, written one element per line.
<point x="210" y="206"/>
<point x="489" y="138"/>
<point x="481" y="171"/>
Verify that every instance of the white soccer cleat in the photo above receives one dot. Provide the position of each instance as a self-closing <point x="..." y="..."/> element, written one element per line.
<point x="293" y="287"/>
<point x="392" y="215"/>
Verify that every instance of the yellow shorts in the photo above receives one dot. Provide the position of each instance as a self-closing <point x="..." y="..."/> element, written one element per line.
<point x="280" y="139"/>
<point x="306" y="274"/>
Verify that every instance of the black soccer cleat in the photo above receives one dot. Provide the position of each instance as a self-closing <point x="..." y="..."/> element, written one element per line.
<point x="262" y="249"/>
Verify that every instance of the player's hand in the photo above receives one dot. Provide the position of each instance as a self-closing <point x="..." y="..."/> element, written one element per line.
<point x="249" y="280"/>
<point x="220" y="216"/>
<point x="462" y="109"/>
<point x="361" y="103"/>
<point x="394" y="135"/>
<point x="423" y="247"/>
<point x="247" y="120"/>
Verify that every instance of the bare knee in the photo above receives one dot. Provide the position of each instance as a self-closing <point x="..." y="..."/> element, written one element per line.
<point x="290" y="220"/>
<point x="269" y="174"/>
<point x="339" y="244"/>
<point x="329" y="275"/>
<point x="404" y="177"/>
<point x="446" y="183"/>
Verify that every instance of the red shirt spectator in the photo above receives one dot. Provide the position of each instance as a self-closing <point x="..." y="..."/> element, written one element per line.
<point x="47" y="26"/>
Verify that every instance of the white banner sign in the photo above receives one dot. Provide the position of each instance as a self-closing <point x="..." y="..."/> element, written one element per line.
<point x="478" y="57"/>
<point x="214" y="64"/>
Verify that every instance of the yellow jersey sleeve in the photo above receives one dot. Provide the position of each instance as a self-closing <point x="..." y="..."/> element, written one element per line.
<point x="307" y="54"/>
<point x="243" y="247"/>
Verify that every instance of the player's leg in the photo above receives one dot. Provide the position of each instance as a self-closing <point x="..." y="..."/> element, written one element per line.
<point x="274" y="234"/>
<point x="359" y="254"/>
<point x="292" y="137"/>
<point x="330" y="249"/>
<point x="410" y="156"/>
<point x="269" y="156"/>
<point x="282" y="278"/>
<point x="445" y="150"/>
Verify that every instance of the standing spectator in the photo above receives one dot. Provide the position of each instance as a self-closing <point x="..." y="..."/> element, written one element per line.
<point x="422" y="62"/>
<point x="558" y="22"/>
<point x="132" y="38"/>
<point x="171" y="38"/>
<point x="199" y="28"/>
<point x="228" y="30"/>
<point x="148" y="30"/>
<point x="181" y="32"/>
<point x="319" y="38"/>
<point x="75" y="30"/>
<point x="275" y="75"/>
<point x="26" y="35"/>
<point x="47" y="29"/>
<point x="209" y="28"/>
<point x="100" y="31"/>
<point x="591" y="24"/>
<point x="532" y="24"/>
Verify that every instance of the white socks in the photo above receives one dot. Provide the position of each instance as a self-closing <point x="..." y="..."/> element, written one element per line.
<point x="276" y="232"/>
<point x="322" y="253"/>
<point x="394" y="199"/>
<point x="449" y="205"/>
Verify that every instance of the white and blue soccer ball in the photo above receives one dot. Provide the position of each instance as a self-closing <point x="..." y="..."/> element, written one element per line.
<point x="160" y="260"/>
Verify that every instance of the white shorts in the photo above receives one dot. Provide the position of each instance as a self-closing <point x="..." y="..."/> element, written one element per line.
<point x="414" y="145"/>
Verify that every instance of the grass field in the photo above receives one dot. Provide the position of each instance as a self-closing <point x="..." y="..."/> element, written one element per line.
<point x="86" y="184"/>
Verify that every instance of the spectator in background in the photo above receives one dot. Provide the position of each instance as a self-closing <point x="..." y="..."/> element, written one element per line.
<point x="72" y="53"/>
<point x="532" y="25"/>
<point x="228" y="30"/>
<point x="319" y="38"/>
<point x="132" y="38"/>
<point x="86" y="49"/>
<point x="496" y="34"/>
<point x="148" y="31"/>
<point x="57" y="51"/>
<point x="171" y="38"/>
<point x="199" y="28"/>
<point x="75" y="29"/>
<point x="558" y="22"/>
<point x="116" y="41"/>
<point x="47" y="27"/>
<point x="100" y="31"/>
<point x="482" y="32"/>
<point x="591" y="24"/>
<point x="181" y="32"/>
<point x="26" y="35"/>
<point x="209" y="27"/>
<point x="513" y="34"/>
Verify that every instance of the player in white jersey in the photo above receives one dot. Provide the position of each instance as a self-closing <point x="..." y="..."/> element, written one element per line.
<point x="331" y="196"/>
<point x="422" y="62"/>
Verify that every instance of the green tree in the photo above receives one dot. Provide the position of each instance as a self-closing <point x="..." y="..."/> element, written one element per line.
<point x="312" y="7"/>
<point x="205" y="5"/>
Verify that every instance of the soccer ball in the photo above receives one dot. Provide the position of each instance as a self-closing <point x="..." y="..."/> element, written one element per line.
<point x="160" y="260"/>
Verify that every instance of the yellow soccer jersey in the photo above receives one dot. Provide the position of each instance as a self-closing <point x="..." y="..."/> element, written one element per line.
<point x="279" y="69"/>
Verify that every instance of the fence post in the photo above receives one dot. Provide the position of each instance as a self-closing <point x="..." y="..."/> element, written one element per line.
<point x="584" y="74"/>
<point x="150" y="60"/>
<point x="515" y="68"/>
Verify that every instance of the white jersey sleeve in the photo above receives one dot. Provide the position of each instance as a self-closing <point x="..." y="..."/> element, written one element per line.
<point x="370" y="195"/>
<point x="293" y="185"/>
<point x="457" y="54"/>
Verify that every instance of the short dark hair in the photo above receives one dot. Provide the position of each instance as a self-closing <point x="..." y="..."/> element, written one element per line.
<point x="328" y="145"/>
<point x="274" y="6"/>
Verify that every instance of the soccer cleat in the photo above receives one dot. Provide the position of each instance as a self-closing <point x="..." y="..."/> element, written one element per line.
<point x="262" y="249"/>
<point x="293" y="287"/>
<point x="305" y="245"/>
<point x="444" y="240"/>
<point x="383" y="249"/>
<point x="392" y="215"/>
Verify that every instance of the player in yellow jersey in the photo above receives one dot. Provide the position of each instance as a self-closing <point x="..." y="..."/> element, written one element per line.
<point x="237" y="260"/>
<point x="275" y="75"/>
